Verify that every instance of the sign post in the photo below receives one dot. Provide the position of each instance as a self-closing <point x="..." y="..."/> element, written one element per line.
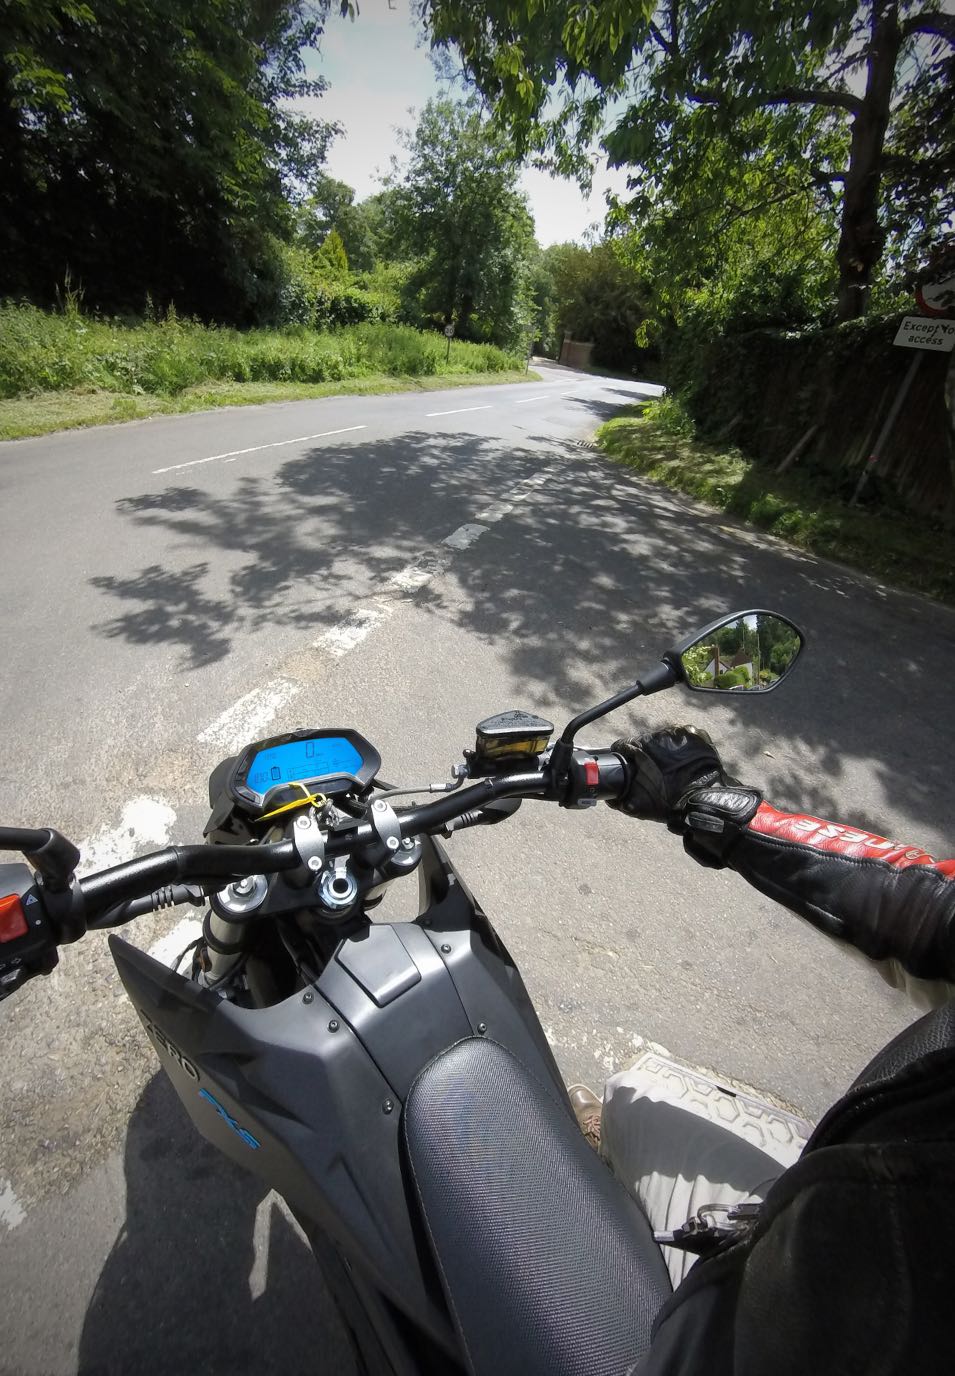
<point x="923" y="335"/>
<point x="449" y="335"/>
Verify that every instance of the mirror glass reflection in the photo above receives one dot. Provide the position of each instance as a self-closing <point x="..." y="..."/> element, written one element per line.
<point x="749" y="654"/>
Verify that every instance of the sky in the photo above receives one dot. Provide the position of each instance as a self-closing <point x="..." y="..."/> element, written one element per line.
<point x="376" y="73"/>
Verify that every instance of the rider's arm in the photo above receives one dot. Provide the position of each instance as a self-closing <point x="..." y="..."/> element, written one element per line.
<point x="893" y="903"/>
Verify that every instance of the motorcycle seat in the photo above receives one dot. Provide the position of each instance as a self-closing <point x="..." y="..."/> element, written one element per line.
<point x="547" y="1263"/>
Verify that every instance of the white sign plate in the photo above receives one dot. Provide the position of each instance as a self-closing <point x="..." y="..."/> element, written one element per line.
<point x="916" y="332"/>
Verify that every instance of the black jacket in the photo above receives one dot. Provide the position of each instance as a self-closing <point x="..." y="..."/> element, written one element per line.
<point x="850" y="1265"/>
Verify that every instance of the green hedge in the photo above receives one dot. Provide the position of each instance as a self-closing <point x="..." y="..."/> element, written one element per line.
<point x="47" y="352"/>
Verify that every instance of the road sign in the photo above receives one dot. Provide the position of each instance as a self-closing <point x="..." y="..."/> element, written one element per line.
<point x="448" y="331"/>
<point x="916" y="332"/>
<point x="936" y="298"/>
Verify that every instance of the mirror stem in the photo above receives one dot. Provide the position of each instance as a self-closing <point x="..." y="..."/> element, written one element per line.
<point x="661" y="676"/>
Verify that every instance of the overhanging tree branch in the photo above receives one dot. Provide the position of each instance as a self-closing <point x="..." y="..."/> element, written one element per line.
<point x="788" y="95"/>
<point x="660" y="38"/>
<point x="799" y="95"/>
<point x="933" y="22"/>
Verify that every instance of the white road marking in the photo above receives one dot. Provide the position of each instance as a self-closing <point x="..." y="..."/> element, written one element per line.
<point x="144" y="822"/>
<point x="231" y="455"/>
<point x="459" y="410"/>
<point x="524" y="400"/>
<point x="12" y="1212"/>
<point x="497" y="510"/>
<point x="246" y="719"/>
<point x="464" y="536"/>
<point x="343" y="637"/>
<point x="414" y="576"/>
<point x="261" y="1233"/>
<point x="193" y="463"/>
<point x="170" y="947"/>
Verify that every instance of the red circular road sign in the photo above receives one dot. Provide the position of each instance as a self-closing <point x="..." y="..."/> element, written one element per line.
<point x="936" y="298"/>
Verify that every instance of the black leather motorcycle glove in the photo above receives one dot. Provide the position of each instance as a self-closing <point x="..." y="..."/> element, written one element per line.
<point x="677" y="777"/>
<point x="893" y="902"/>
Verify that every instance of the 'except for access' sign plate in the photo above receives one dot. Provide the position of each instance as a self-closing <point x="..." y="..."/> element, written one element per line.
<point x="917" y="332"/>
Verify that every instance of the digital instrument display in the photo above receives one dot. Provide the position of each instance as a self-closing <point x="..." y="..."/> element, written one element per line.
<point x="301" y="760"/>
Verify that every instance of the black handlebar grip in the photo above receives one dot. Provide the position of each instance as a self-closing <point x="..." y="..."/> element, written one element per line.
<point x="595" y="775"/>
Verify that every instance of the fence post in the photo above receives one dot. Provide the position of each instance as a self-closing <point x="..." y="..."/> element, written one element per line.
<point x="886" y="430"/>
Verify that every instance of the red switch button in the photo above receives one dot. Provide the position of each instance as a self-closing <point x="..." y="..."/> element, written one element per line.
<point x="12" y="921"/>
<point x="591" y="773"/>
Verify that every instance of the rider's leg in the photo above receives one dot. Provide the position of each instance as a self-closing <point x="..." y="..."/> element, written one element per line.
<point x="678" y="1141"/>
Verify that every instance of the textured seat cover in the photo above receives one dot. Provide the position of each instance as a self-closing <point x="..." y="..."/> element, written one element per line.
<point x="547" y="1263"/>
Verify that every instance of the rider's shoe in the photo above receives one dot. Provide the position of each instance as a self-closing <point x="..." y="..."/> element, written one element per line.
<point x="588" y="1108"/>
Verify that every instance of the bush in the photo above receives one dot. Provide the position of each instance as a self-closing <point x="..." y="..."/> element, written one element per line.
<point x="40" y="351"/>
<point x="733" y="678"/>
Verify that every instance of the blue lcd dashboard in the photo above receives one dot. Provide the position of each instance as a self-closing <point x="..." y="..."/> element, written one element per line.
<point x="298" y="761"/>
<point x="332" y="761"/>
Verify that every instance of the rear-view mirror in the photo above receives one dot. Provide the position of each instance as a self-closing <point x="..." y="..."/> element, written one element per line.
<point x="746" y="652"/>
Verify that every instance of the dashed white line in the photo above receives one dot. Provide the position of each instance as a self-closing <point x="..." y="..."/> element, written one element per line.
<point x="458" y="411"/>
<point x="172" y="943"/>
<point x="231" y="455"/>
<point x="146" y="822"/>
<point x="524" y="400"/>
<point x="464" y="536"/>
<point x="343" y="637"/>
<point x="143" y="822"/>
<point x="12" y="1212"/>
<point x="421" y="571"/>
<point x="246" y="719"/>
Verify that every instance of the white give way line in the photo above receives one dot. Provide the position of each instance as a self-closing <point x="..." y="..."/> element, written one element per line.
<point x="231" y="455"/>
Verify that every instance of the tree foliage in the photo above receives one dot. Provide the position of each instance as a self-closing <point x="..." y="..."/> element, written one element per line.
<point x="835" y="93"/>
<point x="455" y="209"/>
<point x="150" y="146"/>
<point x="331" y="206"/>
<point x="598" y="296"/>
<point x="331" y="257"/>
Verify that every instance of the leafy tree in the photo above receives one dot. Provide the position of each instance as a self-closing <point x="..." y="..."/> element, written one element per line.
<point x="331" y="259"/>
<point x="332" y="206"/>
<point x="835" y="91"/>
<point x="598" y="297"/>
<point x="455" y="209"/>
<point x="543" y="295"/>
<point x="152" y="146"/>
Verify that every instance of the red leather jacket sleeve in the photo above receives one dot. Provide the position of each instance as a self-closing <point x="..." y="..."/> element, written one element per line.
<point x="891" y="901"/>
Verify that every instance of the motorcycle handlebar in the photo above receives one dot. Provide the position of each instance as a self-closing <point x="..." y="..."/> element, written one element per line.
<point x="115" y="895"/>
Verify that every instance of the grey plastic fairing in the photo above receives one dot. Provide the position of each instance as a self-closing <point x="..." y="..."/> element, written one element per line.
<point x="487" y="980"/>
<point x="314" y="1100"/>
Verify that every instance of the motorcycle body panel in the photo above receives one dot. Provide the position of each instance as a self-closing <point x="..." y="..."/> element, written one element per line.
<point x="307" y="1093"/>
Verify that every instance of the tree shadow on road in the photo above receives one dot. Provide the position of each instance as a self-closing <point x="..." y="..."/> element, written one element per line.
<point x="579" y="587"/>
<point x="176" y="1293"/>
<point x="297" y="546"/>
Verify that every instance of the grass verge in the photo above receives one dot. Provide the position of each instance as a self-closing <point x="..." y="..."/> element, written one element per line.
<point x="885" y="544"/>
<point x="42" y="414"/>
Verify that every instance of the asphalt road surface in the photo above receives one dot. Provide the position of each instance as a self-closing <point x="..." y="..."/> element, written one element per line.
<point x="406" y="565"/>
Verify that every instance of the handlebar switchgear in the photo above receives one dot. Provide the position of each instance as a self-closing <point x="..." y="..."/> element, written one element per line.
<point x="27" y="940"/>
